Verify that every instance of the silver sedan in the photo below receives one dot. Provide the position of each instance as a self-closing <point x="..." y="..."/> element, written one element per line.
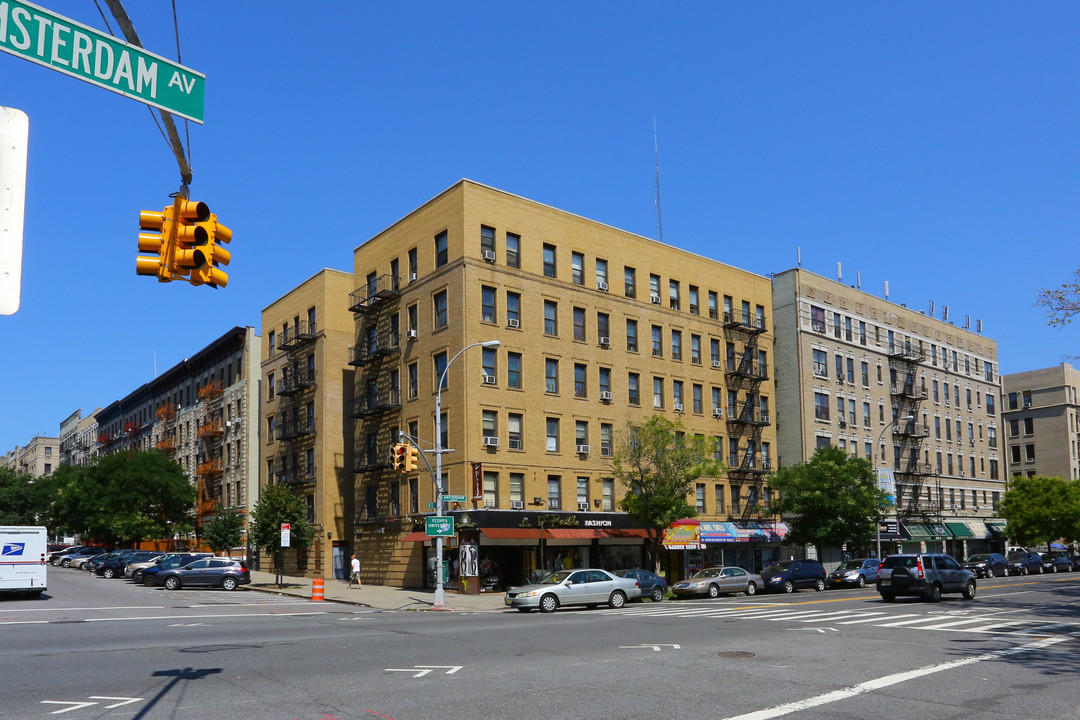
<point x="715" y="581"/>
<point x="587" y="587"/>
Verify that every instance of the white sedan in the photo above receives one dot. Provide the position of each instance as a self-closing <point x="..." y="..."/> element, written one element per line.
<point x="587" y="587"/>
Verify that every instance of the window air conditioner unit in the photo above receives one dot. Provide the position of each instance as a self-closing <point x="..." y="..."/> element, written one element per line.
<point x="488" y="255"/>
<point x="489" y="379"/>
<point x="517" y="505"/>
<point x="583" y="506"/>
<point x="655" y="299"/>
<point x="412" y="277"/>
<point x="491" y="441"/>
<point x="677" y="407"/>
<point x="605" y="342"/>
<point x="843" y="424"/>
<point x="410" y="334"/>
<point x="718" y="413"/>
<point x="605" y="395"/>
<point x="601" y="285"/>
<point x="513" y="322"/>
<point x="717" y="364"/>
<point x="583" y="449"/>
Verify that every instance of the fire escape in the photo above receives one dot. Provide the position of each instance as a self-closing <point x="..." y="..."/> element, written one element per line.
<point x="745" y="420"/>
<point x="907" y="396"/>
<point x="295" y="421"/>
<point x="211" y="460"/>
<point x="166" y="418"/>
<point x="377" y="393"/>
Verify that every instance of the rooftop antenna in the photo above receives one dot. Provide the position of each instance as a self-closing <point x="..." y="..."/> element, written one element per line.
<point x="978" y="325"/>
<point x="886" y="289"/>
<point x="945" y="312"/>
<point x="967" y="322"/>
<point x="798" y="254"/>
<point x="656" y="153"/>
<point x="839" y="273"/>
<point x="931" y="313"/>
<point x="858" y="279"/>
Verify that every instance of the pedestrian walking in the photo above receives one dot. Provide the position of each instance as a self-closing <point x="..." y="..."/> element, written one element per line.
<point x="354" y="573"/>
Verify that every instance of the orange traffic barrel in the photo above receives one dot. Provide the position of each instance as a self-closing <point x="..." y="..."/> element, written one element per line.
<point x="317" y="586"/>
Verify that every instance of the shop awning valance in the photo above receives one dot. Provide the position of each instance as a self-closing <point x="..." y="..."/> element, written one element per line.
<point x="960" y="530"/>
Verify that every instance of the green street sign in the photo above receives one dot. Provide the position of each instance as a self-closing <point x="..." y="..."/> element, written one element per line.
<point x="453" y="498"/>
<point x="43" y="37"/>
<point x="439" y="526"/>
<point x="432" y="506"/>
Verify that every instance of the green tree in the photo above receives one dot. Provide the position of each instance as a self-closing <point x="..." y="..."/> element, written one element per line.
<point x="1042" y="509"/>
<point x="125" y="497"/>
<point x="225" y="530"/>
<point x="1061" y="303"/>
<point x="828" y="500"/>
<point x="24" y="500"/>
<point x="278" y="504"/>
<point x="658" y="463"/>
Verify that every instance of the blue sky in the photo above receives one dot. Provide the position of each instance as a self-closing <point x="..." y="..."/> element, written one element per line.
<point x="930" y="145"/>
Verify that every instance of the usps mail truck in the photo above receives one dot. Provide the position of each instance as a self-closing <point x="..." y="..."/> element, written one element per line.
<point x="22" y="559"/>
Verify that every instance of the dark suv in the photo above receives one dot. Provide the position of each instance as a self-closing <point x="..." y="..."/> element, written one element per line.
<point x="791" y="574"/>
<point x="1022" y="562"/>
<point x="925" y="575"/>
<point x="210" y="571"/>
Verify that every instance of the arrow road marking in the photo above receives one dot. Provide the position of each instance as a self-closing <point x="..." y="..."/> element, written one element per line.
<point x="74" y="705"/>
<point x="420" y="671"/>
<point x="654" y="647"/>
<point x="126" y="700"/>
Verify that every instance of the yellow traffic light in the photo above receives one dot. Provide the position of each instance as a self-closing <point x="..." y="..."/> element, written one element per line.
<point x="214" y="255"/>
<point x="398" y="456"/>
<point x="158" y="242"/>
<point x="412" y="456"/>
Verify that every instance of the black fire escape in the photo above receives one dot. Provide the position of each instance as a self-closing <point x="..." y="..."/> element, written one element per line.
<point x="908" y="431"/>
<point x="376" y="390"/>
<point x="744" y="374"/>
<point x="294" y="425"/>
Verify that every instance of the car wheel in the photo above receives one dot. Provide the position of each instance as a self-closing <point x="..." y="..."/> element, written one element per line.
<point x="714" y="591"/>
<point x="819" y="585"/>
<point x="1024" y="570"/>
<point x="549" y="603"/>
<point x="989" y="572"/>
<point x="933" y="593"/>
<point x="65" y="563"/>
<point x="617" y="599"/>
<point x="172" y="583"/>
<point x="108" y="573"/>
<point x="1040" y="569"/>
<point x="862" y="582"/>
<point x="1005" y="572"/>
<point x="789" y="587"/>
<point x="969" y="590"/>
<point x="1054" y="568"/>
<point x="657" y="593"/>
<point x="149" y="581"/>
<point x="751" y="588"/>
<point x="887" y="597"/>
<point x="229" y="583"/>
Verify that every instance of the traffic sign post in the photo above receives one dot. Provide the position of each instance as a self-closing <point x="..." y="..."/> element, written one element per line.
<point x="59" y="43"/>
<point x="453" y="498"/>
<point x="14" y="138"/>
<point x="439" y="526"/>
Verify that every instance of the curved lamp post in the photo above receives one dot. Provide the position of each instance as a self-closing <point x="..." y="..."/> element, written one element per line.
<point x="906" y="418"/>
<point x="440" y="591"/>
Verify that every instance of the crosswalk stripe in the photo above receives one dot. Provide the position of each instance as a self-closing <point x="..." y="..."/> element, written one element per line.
<point x="875" y="618"/>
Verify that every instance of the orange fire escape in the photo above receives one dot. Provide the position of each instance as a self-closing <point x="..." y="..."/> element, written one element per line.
<point x="211" y="464"/>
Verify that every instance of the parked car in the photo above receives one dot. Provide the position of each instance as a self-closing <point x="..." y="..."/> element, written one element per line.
<point x="56" y="549"/>
<point x="716" y="581"/>
<point x="1023" y="562"/>
<point x="79" y="556"/>
<point x="854" y="573"/>
<point x="987" y="564"/>
<point x="652" y="585"/>
<point x="57" y="558"/>
<point x="790" y="575"/>
<point x="80" y="563"/>
<point x="135" y="564"/>
<point x="114" y="566"/>
<point x="1076" y="562"/>
<point x="1056" y="562"/>
<point x="587" y="587"/>
<point x="149" y="576"/>
<point x="225" y="573"/>
<point x="93" y="563"/>
<point x="925" y="575"/>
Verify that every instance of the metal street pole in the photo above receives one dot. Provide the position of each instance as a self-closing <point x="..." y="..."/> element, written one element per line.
<point x="440" y="591"/>
<point x="906" y="418"/>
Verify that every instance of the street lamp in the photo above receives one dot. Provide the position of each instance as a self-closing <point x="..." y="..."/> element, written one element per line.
<point x="440" y="592"/>
<point x="905" y="418"/>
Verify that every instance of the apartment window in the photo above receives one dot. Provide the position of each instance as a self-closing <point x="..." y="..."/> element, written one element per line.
<point x="605" y="380"/>
<point x="606" y="439"/>
<point x="714" y="351"/>
<point x="658" y="393"/>
<point x="851" y="412"/>
<point x="487" y="304"/>
<point x="412" y="317"/>
<point x="513" y="309"/>
<point x="759" y="317"/>
<point x="934" y="390"/>
<point x="603" y="325"/>
<point x="821" y="363"/>
<point x="440" y="306"/>
<point x="581" y="432"/>
<point x="631" y="336"/>
<point x="866" y="414"/>
<point x="583" y="492"/>
<point x="967" y="397"/>
<point x="441" y="249"/>
<point x="630" y="282"/>
<point x="718" y="497"/>
<point x="695" y="349"/>
<point x="580" y="385"/>
<point x="697" y="399"/>
<point x="817" y="319"/>
<point x="551" y="321"/>
<point x="491" y="489"/>
<point x="487" y="238"/>
<point x="514" y="435"/>
<point x="551" y="375"/>
<point x="552" y="434"/>
<point x="1013" y="401"/>
<point x="489" y="362"/>
<point x="1029" y="427"/>
<point x="517" y="488"/>
<point x="713" y="312"/>
<point x="549" y="261"/>
<point x="490" y="423"/>
<point x="821" y="406"/>
<point x="607" y="502"/>
<point x="865" y="372"/>
<point x="579" y="324"/>
<point x="673" y="294"/>
<point x="694" y="309"/>
<point x="1029" y="452"/>
<point x="414" y="380"/>
<point x="270" y="386"/>
<point x="601" y="273"/>
<point x="439" y="364"/>
<point x="657" y="341"/>
<point x="851" y="371"/>
<point x="699" y="497"/>
<point x="677" y="392"/>
<point x="654" y="288"/>
<point x="862" y="332"/>
<point x="989" y="404"/>
<point x="554" y="494"/>
<point x="272" y="339"/>
<point x="676" y="344"/>
<point x="633" y="391"/>
<point x="735" y="499"/>
<point x="577" y="268"/>
<point x="513" y="250"/>
<point x="839" y="367"/>
<point x="513" y="370"/>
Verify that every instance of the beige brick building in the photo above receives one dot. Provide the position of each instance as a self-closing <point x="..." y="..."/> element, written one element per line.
<point x="910" y="392"/>
<point x="1039" y="414"/>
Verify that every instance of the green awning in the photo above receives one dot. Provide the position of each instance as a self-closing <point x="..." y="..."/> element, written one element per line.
<point x="938" y="531"/>
<point x="915" y="531"/>
<point x="960" y="530"/>
<point x="996" y="527"/>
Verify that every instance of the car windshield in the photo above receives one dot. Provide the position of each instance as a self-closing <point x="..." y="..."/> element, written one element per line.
<point x="707" y="573"/>
<point x="777" y="567"/>
<point x="894" y="561"/>
<point x="978" y="558"/>
<point x="555" y="578"/>
<point x="850" y="565"/>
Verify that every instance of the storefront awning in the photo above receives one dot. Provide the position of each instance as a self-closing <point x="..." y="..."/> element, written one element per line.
<point x="914" y="531"/>
<point x="960" y="530"/>
<point x="511" y="533"/>
<point x="996" y="528"/>
<point x="594" y="533"/>
<point x="416" y="537"/>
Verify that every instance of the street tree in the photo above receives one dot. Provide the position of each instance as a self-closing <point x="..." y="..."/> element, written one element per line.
<point x="225" y="530"/>
<point x="278" y="504"/>
<point x="125" y="497"/>
<point x="658" y="463"/>
<point x="1040" y="510"/>
<point x="828" y="500"/>
<point x="1061" y="303"/>
<point x="24" y="500"/>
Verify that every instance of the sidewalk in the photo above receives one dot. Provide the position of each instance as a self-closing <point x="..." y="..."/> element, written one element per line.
<point x="379" y="597"/>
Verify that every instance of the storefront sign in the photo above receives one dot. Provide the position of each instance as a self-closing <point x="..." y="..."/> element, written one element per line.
<point x="477" y="481"/>
<point x="683" y="537"/>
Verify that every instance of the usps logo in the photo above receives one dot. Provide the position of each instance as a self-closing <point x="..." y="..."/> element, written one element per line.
<point x="13" y="549"/>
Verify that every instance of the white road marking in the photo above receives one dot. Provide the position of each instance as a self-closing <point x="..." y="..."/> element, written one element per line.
<point x="895" y="678"/>
<point x="875" y="619"/>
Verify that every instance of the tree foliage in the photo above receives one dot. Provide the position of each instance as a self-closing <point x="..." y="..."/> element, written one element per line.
<point x="278" y="504"/>
<point x="225" y="530"/>
<point x="1061" y="303"/>
<point x="24" y="500"/>
<point x="124" y="498"/>
<point x="658" y="464"/>
<point x="1040" y="510"/>
<point x="830" y="499"/>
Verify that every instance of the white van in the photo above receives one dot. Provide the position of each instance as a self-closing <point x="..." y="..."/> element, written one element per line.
<point x="22" y="559"/>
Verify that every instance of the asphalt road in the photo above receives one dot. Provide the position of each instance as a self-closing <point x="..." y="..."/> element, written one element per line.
<point x="94" y="648"/>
